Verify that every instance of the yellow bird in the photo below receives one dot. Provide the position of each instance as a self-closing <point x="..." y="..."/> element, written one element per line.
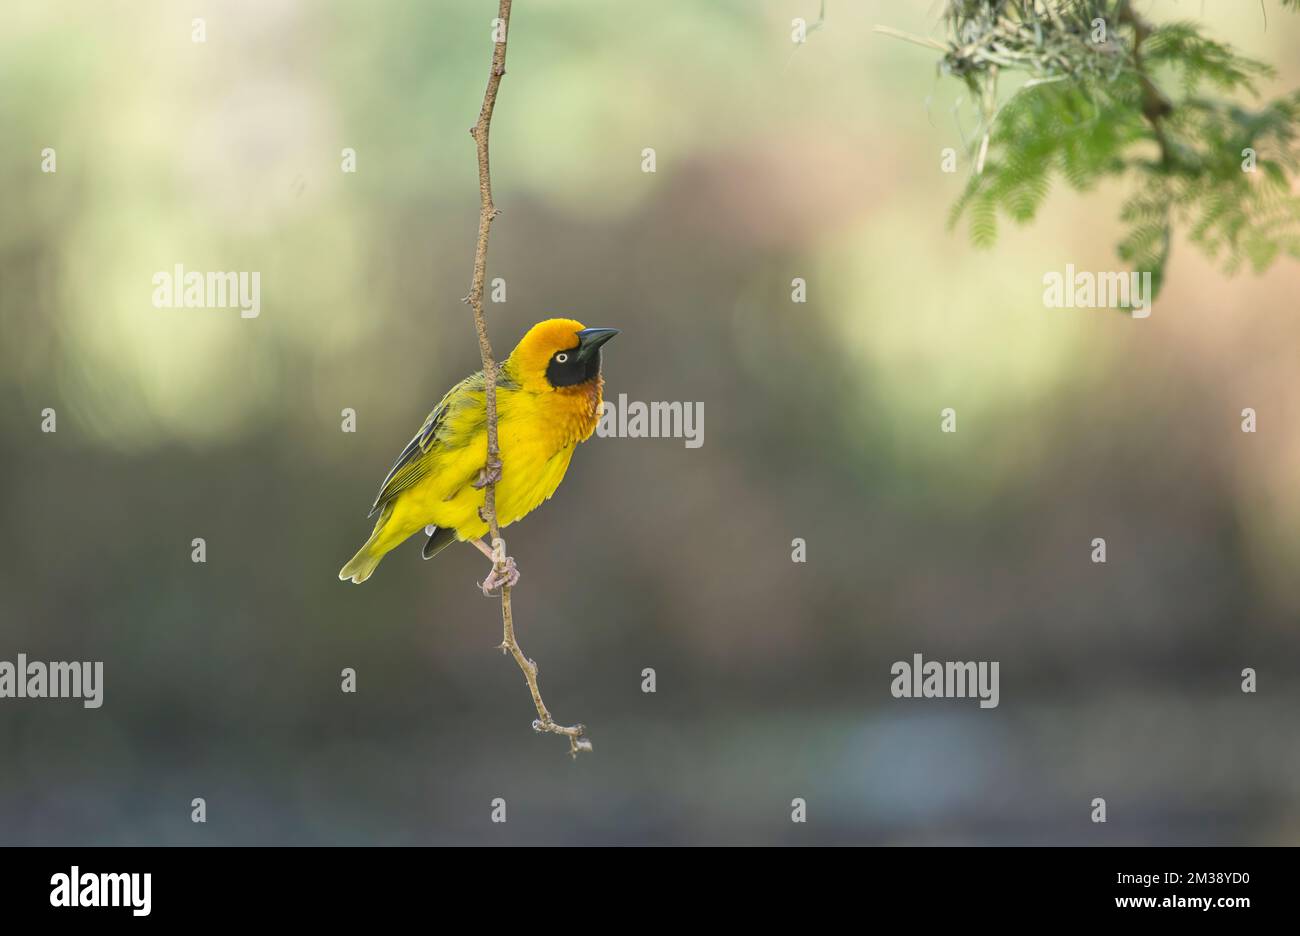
<point x="548" y="400"/>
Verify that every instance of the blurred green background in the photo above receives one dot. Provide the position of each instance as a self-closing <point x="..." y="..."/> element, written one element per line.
<point x="821" y="421"/>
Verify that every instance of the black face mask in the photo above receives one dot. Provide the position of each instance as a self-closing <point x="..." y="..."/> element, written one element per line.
<point x="581" y="364"/>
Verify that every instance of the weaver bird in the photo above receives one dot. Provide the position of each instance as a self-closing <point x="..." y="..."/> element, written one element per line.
<point x="548" y="400"/>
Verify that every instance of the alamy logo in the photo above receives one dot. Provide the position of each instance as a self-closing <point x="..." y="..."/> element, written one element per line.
<point x="1084" y="290"/>
<point x="637" y="420"/>
<point x="194" y="290"/>
<point x="58" y="680"/>
<point x="930" y="679"/>
<point x="102" y="890"/>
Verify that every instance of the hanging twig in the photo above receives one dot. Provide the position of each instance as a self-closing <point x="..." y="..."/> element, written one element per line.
<point x="488" y="211"/>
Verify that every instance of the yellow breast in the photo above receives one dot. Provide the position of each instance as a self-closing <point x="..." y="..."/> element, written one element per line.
<point x="536" y="432"/>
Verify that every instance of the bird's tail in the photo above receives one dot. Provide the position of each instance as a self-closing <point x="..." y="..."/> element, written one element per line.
<point x="361" y="566"/>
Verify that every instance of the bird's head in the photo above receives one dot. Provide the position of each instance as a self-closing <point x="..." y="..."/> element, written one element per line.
<point x="557" y="353"/>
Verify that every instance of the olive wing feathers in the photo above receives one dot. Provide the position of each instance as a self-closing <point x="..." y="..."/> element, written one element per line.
<point x="414" y="463"/>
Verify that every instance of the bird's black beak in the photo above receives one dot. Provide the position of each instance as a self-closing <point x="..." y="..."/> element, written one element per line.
<point x="590" y="340"/>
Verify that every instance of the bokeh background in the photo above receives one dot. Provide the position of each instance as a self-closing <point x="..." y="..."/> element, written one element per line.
<point x="821" y="421"/>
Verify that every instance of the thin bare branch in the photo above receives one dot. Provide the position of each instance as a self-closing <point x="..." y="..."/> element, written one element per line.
<point x="908" y="37"/>
<point x="487" y="212"/>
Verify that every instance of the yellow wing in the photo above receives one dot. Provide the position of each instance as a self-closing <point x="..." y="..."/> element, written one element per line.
<point x="420" y="455"/>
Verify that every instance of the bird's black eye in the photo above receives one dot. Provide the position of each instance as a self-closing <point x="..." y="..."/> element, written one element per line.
<point x="561" y="358"/>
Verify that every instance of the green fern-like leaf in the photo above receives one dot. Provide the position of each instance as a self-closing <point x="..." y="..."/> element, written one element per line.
<point x="1222" y="171"/>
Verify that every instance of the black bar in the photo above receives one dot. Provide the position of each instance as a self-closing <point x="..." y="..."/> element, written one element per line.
<point x="335" y="885"/>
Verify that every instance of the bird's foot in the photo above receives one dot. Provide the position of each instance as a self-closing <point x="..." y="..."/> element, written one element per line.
<point x="505" y="573"/>
<point x="488" y="475"/>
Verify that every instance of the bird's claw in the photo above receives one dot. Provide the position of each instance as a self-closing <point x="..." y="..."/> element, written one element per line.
<point x="508" y="575"/>
<point x="488" y="475"/>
